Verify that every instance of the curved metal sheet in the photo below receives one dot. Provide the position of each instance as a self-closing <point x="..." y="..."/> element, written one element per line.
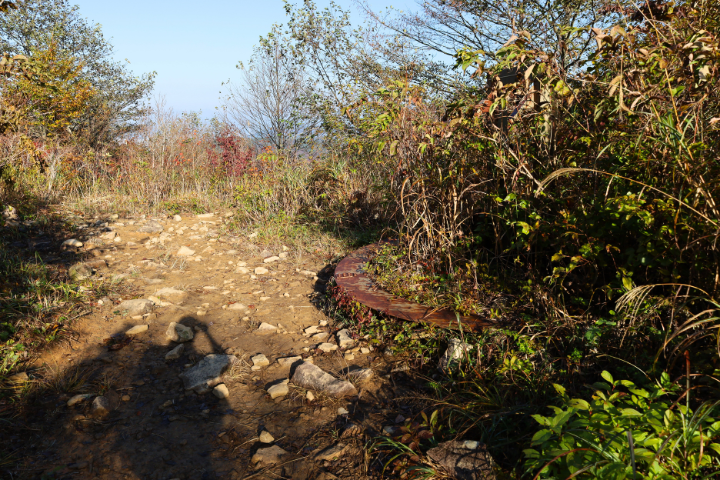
<point x="350" y="275"/>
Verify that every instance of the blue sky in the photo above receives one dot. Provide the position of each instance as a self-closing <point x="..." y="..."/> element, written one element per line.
<point x="193" y="46"/>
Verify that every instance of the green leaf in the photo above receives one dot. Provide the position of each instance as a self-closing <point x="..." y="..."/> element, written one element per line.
<point x="541" y="436"/>
<point x="579" y="403"/>
<point x="615" y="471"/>
<point x="630" y="412"/>
<point x="561" y="419"/>
<point x="606" y="375"/>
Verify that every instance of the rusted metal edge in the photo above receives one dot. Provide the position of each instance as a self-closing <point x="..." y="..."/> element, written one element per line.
<point x="351" y="276"/>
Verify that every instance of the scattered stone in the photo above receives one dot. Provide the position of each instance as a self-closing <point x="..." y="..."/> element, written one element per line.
<point x="260" y="360"/>
<point x="10" y="213"/>
<point x="221" y="391"/>
<point x="327" y="347"/>
<point x="172" y="294"/>
<point x="332" y="453"/>
<point x="310" y="396"/>
<point x="283" y="255"/>
<point x="288" y="361"/>
<point x="185" y="252"/>
<point x="177" y="218"/>
<point x="323" y="323"/>
<point x="307" y="273"/>
<point x="139" y="306"/>
<point x="311" y="330"/>
<point x="125" y="398"/>
<point x="100" y="406"/>
<point x="176" y="352"/>
<point x="261" y="271"/>
<point x="137" y="329"/>
<point x="399" y="419"/>
<point x="237" y="306"/>
<point x="342" y="411"/>
<point x="79" y="398"/>
<point x="360" y="374"/>
<point x="319" y="337"/>
<point x="308" y="375"/>
<point x="205" y="215"/>
<point x="274" y="258"/>
<point x="365" y="350"/>
<point x="279" y="389"/>
<point x="265" y="437"/>
<point x="177" y="332"/>
<point x="72" y="243"/>
<point x="344" y="338"/>
<point x="242" y="270"/>
<point x="201" y="313"/>
<point x="21" y="377"/>
<point x="80" y="271"/>
<point x="206" y="374"/>
<point x="151" y="227"/>
<point x="349" y="356"/>
<point x="453" y="355"/>
<point x="462" y="462"/>
<point x="266" y="329"/>
<point x="269" y="456"/>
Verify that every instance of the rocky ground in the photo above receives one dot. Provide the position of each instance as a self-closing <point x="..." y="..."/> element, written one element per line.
<point x="214" y="361"/>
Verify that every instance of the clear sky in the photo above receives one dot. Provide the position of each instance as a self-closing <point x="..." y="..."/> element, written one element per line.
<point x="193" y="46"/>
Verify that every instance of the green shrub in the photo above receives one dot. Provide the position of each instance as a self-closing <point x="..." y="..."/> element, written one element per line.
<point x="626" y="431"/>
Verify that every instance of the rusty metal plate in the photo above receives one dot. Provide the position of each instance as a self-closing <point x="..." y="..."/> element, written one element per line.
<point x="350" y="275"/>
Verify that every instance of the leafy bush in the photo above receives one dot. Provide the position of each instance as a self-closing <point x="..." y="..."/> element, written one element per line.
<point x="627" y="431"/>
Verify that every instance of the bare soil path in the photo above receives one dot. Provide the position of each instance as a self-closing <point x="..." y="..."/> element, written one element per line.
<point x="139" y="419"/>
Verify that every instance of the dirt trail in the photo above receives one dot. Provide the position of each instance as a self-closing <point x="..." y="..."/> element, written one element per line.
<point x="154" y="427"/>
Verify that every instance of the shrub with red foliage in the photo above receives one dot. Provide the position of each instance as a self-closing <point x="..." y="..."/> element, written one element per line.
<point x="231" y="152"/>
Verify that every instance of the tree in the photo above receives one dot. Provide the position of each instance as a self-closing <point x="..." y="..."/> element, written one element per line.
<point x="557" y="27"/>
<point x="50" y="94"/>
<point x="343" y="64"/>
<point x="118" y="105"/>
<point x="267" y="104"/>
